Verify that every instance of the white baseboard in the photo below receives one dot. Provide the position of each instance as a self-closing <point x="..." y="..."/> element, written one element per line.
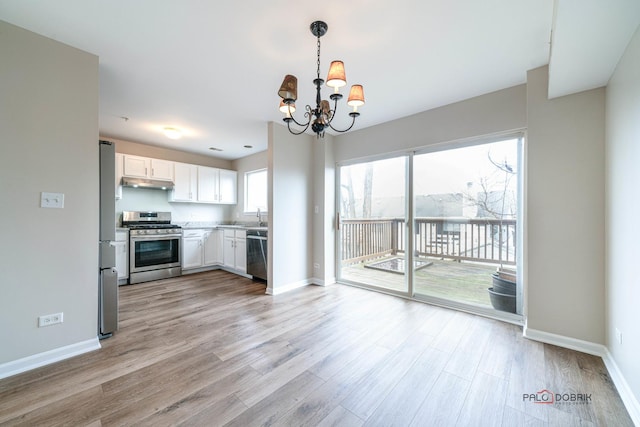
<point x="57" y="354"/>
<point x="628" y="398"/>
<point x="288" y="287"/>
<point x="566" y="342"/>
<point x="321" y="282"/>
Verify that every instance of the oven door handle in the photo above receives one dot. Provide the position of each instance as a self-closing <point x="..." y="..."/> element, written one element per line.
<point x="156" y="237"/>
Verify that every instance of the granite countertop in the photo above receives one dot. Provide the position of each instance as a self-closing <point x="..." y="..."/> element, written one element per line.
<point x="205" y="225"/>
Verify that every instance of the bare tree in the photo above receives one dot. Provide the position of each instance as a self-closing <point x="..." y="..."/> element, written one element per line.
<point x="349" y="204"/>
<point x="486" y="198"/>
<point x="368" y="190"/>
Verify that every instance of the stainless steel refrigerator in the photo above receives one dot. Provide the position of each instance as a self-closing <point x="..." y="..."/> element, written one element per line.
<point x="108" y="277"/>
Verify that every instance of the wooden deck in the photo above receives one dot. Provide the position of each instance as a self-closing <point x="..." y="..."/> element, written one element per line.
<point x="458" y="281"/>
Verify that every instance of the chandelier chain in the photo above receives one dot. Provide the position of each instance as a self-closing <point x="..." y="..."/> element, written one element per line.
<point x="318" y="60"/>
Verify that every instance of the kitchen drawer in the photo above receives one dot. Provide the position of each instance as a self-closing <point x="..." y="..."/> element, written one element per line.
<point x="193" y="233"/>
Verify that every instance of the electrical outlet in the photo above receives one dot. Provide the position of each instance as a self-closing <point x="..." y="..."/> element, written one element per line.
<point x="618" y="336"/>
<point x="50" y="319"/>
<point x="316" y="266"/>
<point x="52" y="200"/>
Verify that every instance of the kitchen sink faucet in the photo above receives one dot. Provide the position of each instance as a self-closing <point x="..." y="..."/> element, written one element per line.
<point x="259" y="215"/>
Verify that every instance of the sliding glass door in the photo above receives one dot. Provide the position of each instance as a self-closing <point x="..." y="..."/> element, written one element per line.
<point x="452" y="213"/>
<point x="372" y="218"/>
<point x="465" y="218"/>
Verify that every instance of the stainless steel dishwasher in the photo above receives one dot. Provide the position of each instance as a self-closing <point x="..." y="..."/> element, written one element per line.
<point x="257" y="253"/>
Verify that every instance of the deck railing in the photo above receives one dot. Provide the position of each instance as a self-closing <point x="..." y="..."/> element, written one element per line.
<point x="479" y="239"/>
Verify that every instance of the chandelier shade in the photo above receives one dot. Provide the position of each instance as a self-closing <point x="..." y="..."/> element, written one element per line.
<point x="337" y="77"/>
<point x="289" y="88"/>
<point x="320" y="117"/>
<point x="356" y="97"/>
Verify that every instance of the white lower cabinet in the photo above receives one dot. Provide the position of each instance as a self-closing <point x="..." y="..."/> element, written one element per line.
<point x="192" y="255"/>
<point x="212" y="245"/>
<point x="206" y="248"/>
<point x="201" y="248"/>
<point x="122" y="255"/>
<point x="235" y="250"/>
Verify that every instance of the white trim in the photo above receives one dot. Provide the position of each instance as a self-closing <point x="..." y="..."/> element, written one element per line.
<point x="321" y="282"/>
<point x="41" y="359"/>
<point x="317" y="282"/>
<point x="566" y="342"/>
<point x="288" y="287"/>
<point x="627" y="396"/>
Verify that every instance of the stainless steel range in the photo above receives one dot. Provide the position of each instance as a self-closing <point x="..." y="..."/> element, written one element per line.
<point x="154" y="246"/>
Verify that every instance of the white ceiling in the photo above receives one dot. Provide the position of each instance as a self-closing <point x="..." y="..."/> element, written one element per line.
<point x="213" y="69"/>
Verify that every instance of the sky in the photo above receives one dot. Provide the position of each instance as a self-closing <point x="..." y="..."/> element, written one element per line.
<point x="449" y="171"/>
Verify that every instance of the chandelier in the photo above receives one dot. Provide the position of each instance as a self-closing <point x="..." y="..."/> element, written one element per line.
<point x="320" y="117"/>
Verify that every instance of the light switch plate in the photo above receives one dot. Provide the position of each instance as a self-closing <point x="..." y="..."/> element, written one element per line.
<point x="52" y="200"/>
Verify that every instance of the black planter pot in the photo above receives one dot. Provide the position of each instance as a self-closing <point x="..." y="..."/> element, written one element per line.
<point x="502" y="302"/>
<point x="503" y="286"/>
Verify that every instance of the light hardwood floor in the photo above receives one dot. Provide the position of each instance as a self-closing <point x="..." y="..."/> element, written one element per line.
<point x="212" y="349"/>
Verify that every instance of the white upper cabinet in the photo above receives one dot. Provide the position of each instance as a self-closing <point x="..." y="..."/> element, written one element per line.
<point x="217" y="185"/>
<point x="185" y="183"/>
<point x="228" y="186"/>
<point x="144" y="167"/>
<point x="207" y="184"/>
<point x="161" y="169"/>
<point x="192" y="183"/>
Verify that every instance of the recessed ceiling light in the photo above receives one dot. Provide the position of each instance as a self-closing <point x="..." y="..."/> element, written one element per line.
<point x="248" y="146"/>
<point x="215" y="149"/>
<point x="172" y="133"/>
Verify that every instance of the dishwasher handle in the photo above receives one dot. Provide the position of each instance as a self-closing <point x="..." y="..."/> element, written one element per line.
<point x="256" y="237"/>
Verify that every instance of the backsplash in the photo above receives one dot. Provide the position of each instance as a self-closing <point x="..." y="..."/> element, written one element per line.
<point x="142" y="199"/>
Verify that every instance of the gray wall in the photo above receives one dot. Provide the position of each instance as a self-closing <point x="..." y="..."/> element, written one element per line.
<point x="290" y="209"/>
<point x="500" y="111"/>
<point x="623" y="208"/>
<point x="565" y="211"/>
<point x="48" y="142"/>
<point x="324" y="211"/>
<point x="145" y="150"/>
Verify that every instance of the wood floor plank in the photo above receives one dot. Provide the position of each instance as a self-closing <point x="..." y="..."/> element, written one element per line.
<point x="400" y="406"/>
<point x="469" y="353"/>
<point x="444" y="402"/>
<point x="514" y="418"/>
<point x="485" y="402"/>
<point x="340" y="417"/>
<point x="268" y="410"/>
<point x="527" y="376"/>
<point x="562" y="380"/>
<point x="375" y="387"/>
<point x="211" y="348"/>
<point x="319" y="404"/>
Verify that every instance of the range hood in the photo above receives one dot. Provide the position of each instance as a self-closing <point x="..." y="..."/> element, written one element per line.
<point x="147" y="183"/>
